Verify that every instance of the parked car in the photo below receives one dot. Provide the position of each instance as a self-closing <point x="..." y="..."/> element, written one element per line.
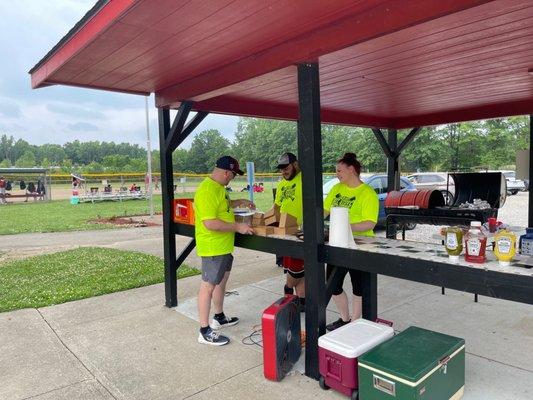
<point x="513" y="185"/>
<point x="434" y="181"/>
<point x="379" y="183"/>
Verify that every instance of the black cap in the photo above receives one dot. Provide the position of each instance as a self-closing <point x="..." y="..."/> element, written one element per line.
<point x="230" y="164"/>
<point x="286" y="159"/>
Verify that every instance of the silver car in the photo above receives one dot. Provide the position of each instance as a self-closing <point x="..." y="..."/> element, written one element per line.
<point x="513" y="185"/>
<point x="434" y="181"/>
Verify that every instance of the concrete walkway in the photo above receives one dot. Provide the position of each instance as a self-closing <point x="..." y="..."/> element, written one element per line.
<point x="127" y="345"/>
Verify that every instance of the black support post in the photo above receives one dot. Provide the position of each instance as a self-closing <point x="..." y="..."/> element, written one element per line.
<point x="393" y="162"/>
<point x="530" y="191"/>
<point x="170" y="137"/>
<point x="167" y="191"/>
<point x="310" y="156"/>
<point x="369" y="289"/>
<point x="393" y="174"/>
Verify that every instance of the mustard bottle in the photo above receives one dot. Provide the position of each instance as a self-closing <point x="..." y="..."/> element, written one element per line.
<point x="504" y="246"/>
<point x="454" y="242"/>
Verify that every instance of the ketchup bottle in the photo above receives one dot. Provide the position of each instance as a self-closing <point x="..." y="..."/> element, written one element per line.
<point x="476" y="242"/>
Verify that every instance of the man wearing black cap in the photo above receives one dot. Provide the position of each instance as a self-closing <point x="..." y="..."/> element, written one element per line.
<point x="289" y="200"/>
<point x="215" y="229"/>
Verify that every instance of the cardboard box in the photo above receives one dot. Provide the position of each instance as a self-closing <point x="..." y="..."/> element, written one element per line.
<point x="272" y="216"/>
<point x="287" y="230"/>
<point x="287" y="220"/>
<point x="258" y="222"/>
<point x="258" y="219"/>
<point x="263" y="230"/>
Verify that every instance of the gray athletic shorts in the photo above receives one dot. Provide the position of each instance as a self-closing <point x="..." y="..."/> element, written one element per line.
<point x="214" y="268"/>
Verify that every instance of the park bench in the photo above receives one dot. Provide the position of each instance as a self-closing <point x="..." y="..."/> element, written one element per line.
<point x="20" y="196"/>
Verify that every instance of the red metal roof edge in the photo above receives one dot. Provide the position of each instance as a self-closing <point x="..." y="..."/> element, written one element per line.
<point x="88" y="15"/>
<point x="89" y="28"/>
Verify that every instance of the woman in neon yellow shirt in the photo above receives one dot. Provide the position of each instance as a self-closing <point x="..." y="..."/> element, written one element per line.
<point x="363" y="206"/>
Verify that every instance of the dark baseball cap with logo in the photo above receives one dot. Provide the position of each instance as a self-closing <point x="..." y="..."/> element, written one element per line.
<point x="286" y="159"/>
<point x="230" y="164"/>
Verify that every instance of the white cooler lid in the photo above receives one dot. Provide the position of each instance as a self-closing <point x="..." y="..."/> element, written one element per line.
<point x="355" y="338"/>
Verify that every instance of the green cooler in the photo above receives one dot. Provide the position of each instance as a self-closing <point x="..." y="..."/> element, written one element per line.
<point x="416" y="364"/>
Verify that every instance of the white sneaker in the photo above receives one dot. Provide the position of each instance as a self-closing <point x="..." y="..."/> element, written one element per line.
<point x="212" y="338"/>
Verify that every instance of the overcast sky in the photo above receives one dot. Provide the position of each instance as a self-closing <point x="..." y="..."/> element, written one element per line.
<point x="58" y="114"/>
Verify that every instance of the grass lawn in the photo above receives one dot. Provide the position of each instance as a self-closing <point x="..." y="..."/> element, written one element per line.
<point x="61" y="216"/>
<point x="77" y="274"/>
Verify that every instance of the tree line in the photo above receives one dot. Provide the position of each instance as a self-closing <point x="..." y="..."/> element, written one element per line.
<point x="488" y="144"/>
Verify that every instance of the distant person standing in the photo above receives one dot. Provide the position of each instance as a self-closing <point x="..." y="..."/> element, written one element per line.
<point x="3" y="185"/>
<point x="146" y="182"/>
<point x="215" y="229"/>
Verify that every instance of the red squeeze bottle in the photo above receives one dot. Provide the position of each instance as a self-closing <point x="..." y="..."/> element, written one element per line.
<point x="476" y="242"/>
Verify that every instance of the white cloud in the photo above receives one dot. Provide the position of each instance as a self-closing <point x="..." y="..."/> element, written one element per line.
<point x="58" y="114"/>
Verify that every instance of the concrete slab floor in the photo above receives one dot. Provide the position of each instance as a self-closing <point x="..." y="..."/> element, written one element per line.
<point x="127" y="345"/>
<point x="33" y="360"/>
<point x="86" y="390"/>
<point x="408" y="303"/>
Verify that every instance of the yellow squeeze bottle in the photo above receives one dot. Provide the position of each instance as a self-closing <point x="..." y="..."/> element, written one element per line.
<point x="504" y="246"/>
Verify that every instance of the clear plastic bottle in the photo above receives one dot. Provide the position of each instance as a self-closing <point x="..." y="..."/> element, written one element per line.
<point x="476" y="243"/>
<point x="454" y="242"/>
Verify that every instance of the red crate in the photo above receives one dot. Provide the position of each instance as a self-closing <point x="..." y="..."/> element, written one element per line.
<point x="184" y="211"/>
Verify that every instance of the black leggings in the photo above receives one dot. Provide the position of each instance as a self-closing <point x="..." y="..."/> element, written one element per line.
<point x="355" y="276"/>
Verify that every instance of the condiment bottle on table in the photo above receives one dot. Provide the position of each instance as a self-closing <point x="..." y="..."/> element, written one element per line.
<point x="454" y="242"/>
<point x="504" y="246"/>
<point x="476" y="243"/>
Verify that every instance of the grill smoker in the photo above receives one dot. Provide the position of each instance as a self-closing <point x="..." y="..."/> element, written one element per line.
<point x="488" y="186"/>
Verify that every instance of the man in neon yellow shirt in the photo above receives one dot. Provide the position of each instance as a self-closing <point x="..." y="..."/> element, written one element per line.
<point x="363" y="207"/>
<point x="289" y="200"/>
<point x="215" y="229"/>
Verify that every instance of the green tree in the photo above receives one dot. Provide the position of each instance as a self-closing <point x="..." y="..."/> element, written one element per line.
<point x="424" y="153"/>
<point x="93" y="168"/>
<point x="115" y="162"/>
<point x="5" y="163"/>
<point x="206" y="148"/>
<point x="27" y="160"/>
<point x="67" y="166"/>
<point x="180" y="160"/>
<point x="262" y="141"/>
<point x="6" y="147"/>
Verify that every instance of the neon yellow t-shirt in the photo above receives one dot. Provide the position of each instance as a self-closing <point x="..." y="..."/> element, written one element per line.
<point x="289" y="197"/>
<point x="362" y="203"/>
<point x="211" y="201"/>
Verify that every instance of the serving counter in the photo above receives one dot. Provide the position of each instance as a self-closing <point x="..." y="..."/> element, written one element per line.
<point x="419" y="262"/>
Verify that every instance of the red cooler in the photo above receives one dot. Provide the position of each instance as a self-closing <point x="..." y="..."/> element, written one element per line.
<point x="338" y="352"/>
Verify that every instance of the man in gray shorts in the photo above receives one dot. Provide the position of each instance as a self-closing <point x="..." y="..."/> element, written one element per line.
<point x="215" y="229"/>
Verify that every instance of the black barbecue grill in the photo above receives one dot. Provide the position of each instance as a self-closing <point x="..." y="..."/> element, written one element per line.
<point x="488" y="186"/>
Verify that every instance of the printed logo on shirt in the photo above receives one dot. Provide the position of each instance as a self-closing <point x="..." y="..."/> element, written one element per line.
<point x="343" y="201"/>
<point x="288" y="192"/>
